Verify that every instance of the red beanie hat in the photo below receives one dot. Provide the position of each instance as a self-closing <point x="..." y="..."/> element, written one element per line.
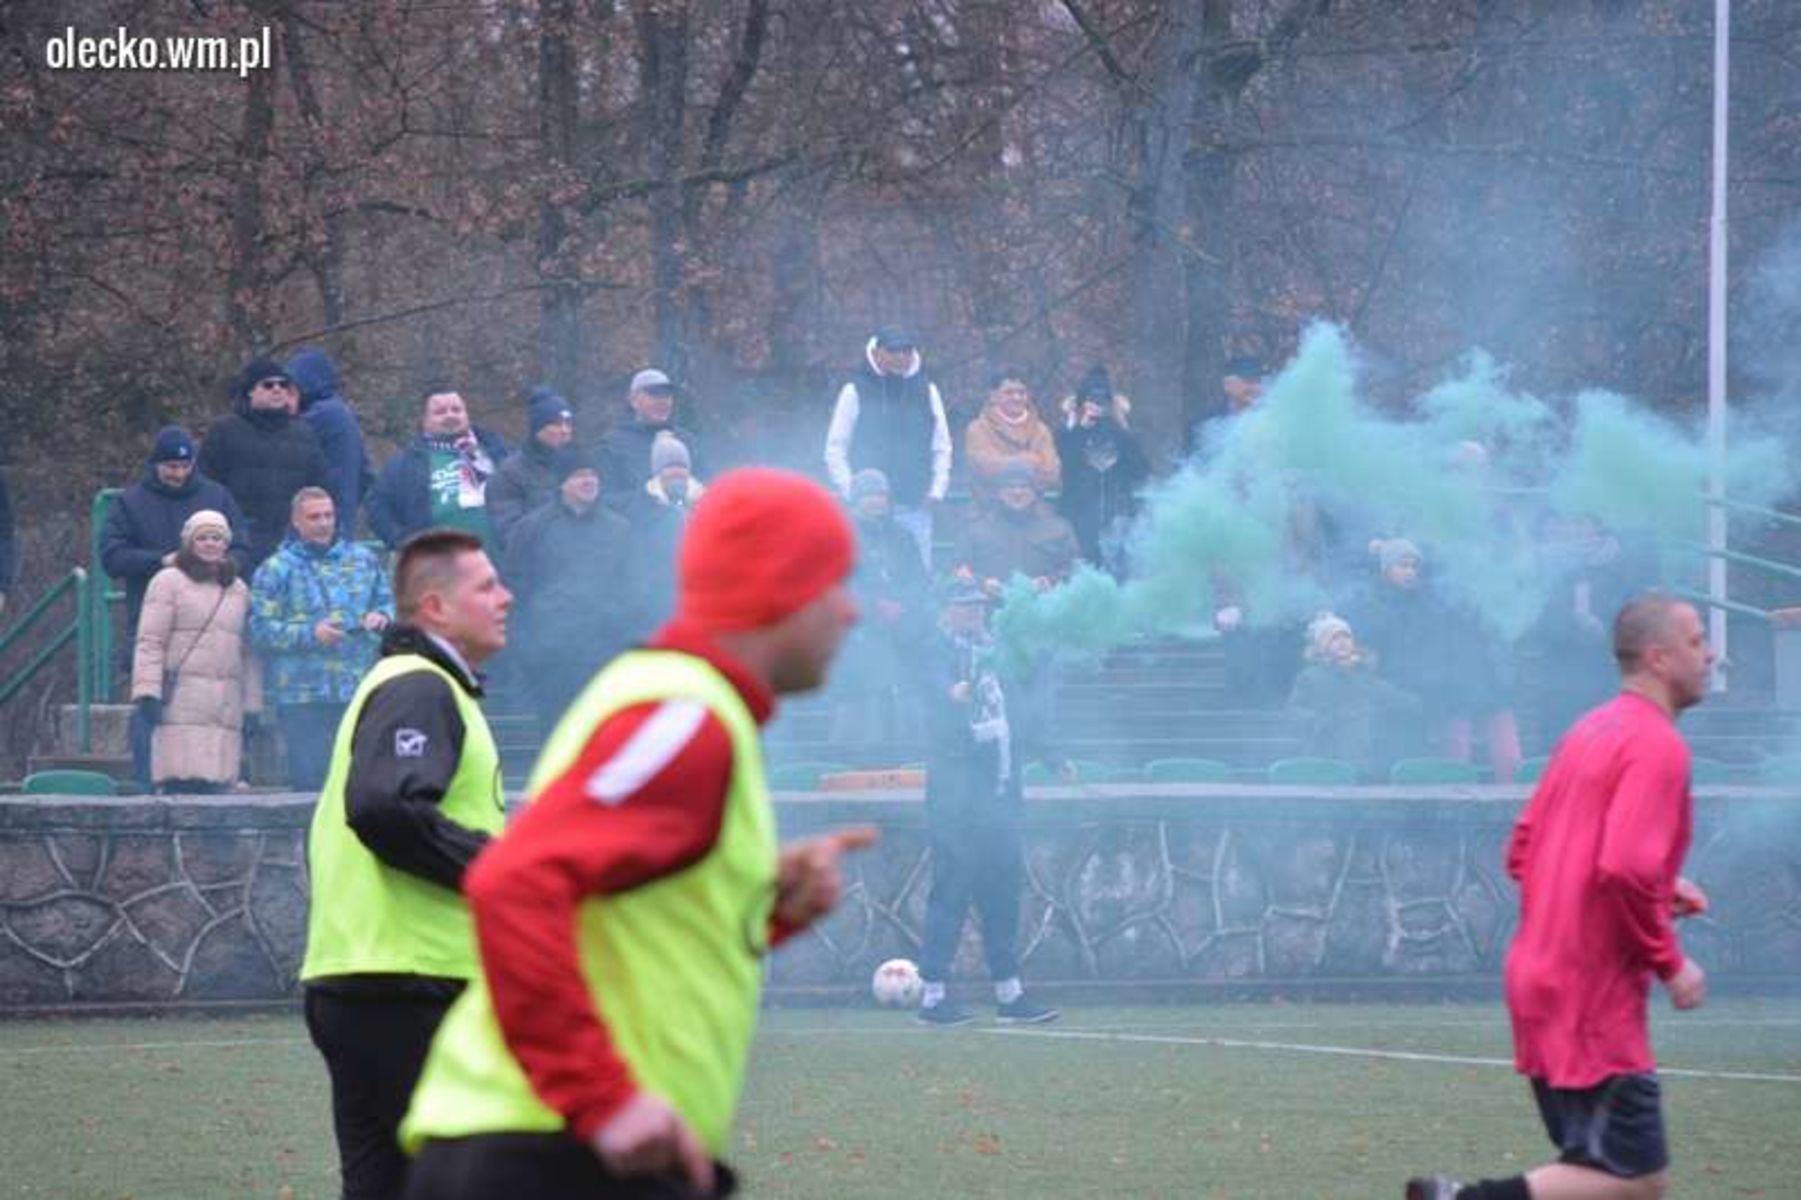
<point x="762" y="544"/>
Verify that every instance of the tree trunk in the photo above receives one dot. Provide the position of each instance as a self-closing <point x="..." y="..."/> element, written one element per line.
<point x="1209" y="171"/>
<point x="246" y="284"/>
<point x="560" y="302"/>
<point x="663" y="79"/>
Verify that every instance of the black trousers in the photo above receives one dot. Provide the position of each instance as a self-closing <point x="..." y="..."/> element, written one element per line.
<point x="535" y="1166"/>
<point x="374" y="1047"/>
<point x="975" y="863"/>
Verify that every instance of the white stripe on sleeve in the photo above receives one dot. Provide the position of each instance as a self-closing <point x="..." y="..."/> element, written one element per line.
<point x="652" y="747"/>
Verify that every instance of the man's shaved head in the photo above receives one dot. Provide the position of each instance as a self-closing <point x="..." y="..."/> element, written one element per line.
<point x="1647" y="620"/>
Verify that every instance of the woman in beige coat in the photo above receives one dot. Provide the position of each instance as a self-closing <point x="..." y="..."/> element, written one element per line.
<point x="191" y="676"/>
<point x="1009" y="430"/>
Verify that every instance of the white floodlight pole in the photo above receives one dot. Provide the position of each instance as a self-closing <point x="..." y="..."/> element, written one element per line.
<point x="1716" y="346"/>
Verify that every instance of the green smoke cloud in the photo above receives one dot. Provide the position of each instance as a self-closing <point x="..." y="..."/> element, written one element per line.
<point x="1253" y="517"/>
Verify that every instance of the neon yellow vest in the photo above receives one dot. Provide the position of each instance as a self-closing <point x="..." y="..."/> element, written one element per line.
<point x="367" y="918"/>
<point x="673" y="967"/>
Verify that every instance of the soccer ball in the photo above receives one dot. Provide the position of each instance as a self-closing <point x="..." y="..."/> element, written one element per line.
<point x="896" y="984"/>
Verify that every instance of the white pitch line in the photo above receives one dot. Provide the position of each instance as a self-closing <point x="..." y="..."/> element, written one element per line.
<point x="110" y="1047"/>
<point x="1352" y="1052"/>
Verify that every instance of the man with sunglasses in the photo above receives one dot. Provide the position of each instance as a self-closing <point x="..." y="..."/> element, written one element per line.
<point x="263" y="453"/>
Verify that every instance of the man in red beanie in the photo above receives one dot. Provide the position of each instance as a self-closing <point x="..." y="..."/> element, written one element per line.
<point x="622" y="920"/>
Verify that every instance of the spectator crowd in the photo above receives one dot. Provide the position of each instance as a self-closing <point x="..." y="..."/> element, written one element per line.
<point x="247" y="590"/>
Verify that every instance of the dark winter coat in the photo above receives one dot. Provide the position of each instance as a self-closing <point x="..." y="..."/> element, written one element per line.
<point x="400" y="503"/>
<point x="522" y="484"/>
<point x="1353" y="714"/>
<point x="263" y="457"/>
<point x="1441" y="653"/>
<point x="657" y="526"/>
<point x="332" y="421"/>
<point x="577" y="579"/>
<point x="1036" y="543"/>
<point x="144" y="523"/>
<point x="624" y="455"/>
<point x="1103" y="469"/>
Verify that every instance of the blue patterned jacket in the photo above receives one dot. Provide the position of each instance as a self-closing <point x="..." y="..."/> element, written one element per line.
<point x="297" y="587"/>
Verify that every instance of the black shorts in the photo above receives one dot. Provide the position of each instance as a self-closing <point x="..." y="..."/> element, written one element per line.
<point x="1615" y="1126"/>
<point x="536" y="1166"/>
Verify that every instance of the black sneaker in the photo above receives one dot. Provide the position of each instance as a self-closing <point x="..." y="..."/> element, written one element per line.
<point x="945" y="1014"/>
<point x="1024" y="1012"/>
<point x="1433" y="1187"/>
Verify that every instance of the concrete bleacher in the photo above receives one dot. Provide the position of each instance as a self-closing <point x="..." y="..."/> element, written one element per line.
<point x="1150" y="700"/>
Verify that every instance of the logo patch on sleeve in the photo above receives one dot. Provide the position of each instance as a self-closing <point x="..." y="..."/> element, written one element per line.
<point x="409" y="743"/>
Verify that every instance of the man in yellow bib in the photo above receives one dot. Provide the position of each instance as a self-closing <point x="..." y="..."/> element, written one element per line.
<point x="622" y="921"/>
<point x="412" y="793"/>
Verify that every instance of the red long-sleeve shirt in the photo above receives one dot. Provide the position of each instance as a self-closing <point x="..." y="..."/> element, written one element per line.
<point x="1596" y="855"/>
<point x="642" y="800"/>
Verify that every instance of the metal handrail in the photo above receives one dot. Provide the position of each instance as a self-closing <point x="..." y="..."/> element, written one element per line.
<point x="24" y="623"/>
<point x="1731" y="606"/>
<point x="1739" y="556"/>
<point x="1745" y="506"/>
<point x="97" y="656"/>
<point x="76" y="629"/>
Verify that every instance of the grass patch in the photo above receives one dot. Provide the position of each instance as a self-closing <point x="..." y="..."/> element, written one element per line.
<point x="1155" y="1102"/>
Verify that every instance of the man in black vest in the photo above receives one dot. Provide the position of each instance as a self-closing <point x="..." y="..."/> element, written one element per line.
<point x="889" y="416"/>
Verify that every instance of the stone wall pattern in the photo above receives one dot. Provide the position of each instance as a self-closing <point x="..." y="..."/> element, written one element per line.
<point x="170" y="901"/>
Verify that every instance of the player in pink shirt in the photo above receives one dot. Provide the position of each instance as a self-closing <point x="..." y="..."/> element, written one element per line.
<point x="1597" y="856"/>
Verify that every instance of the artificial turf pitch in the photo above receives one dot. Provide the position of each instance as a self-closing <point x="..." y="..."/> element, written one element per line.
<point x="1250" y="1101"/>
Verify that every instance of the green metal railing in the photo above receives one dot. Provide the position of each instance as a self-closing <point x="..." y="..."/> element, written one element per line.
<point x="79" y="629"/>
<point x="97" y="662"/>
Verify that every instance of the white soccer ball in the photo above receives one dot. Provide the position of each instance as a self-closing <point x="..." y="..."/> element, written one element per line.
<point x="896" y="984"/>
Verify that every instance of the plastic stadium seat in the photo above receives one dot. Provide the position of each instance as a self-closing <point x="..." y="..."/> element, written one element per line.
<point x="1532" y="770"/>
<point x="1433" y="770"/>
<point x="1186" y="770"/>
<point x="69" y="782"/>
<point x="802" y="776"/>
<point x="1328" y="771"/>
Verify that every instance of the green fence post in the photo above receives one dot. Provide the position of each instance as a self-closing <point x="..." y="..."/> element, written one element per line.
<point x="84" y="641"/>
<point x="98" y="660"/>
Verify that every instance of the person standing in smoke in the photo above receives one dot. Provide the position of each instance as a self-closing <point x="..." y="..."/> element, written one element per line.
<point x="580" y="602"/>
<point x="658" y="511"/>
<point x="1343" y="707"/>
<point x="894" y="593"/>
<point x="974" y="802"/>
<point x="1103" y="469"/>
<point x="1441" y="653"/>
<point x="890" y="416"/>
<point x="1597" y="855"/>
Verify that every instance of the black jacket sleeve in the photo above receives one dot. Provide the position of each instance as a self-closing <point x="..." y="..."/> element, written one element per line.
<point x="408" y="741"/>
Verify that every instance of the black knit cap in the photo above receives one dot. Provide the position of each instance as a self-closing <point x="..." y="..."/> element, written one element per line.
<point x="254" y="372"/>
